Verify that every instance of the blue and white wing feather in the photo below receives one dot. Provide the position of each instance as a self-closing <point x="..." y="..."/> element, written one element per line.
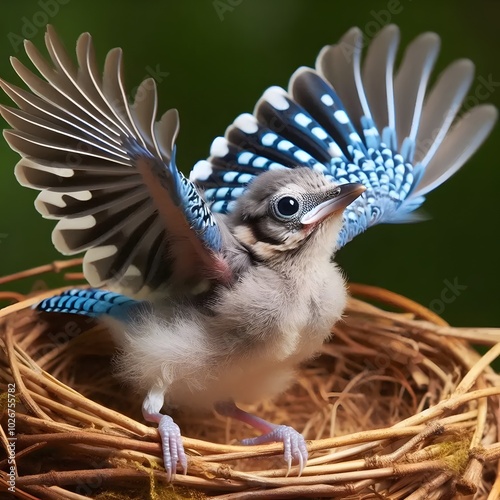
<point x="106" y="170"/>
<point x="93" y="303"/>
<point x="356" y="123"/>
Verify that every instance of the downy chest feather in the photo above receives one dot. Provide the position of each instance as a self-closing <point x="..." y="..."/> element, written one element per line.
<point x="280" y="316"/>
<point x="277" y="329"/>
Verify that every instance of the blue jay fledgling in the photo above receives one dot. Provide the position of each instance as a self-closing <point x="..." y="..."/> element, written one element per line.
<point x="231" y="271"/>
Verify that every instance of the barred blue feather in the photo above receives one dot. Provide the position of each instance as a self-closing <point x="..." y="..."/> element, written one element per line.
<point x="93" y="303"/>
<point x="399" y="150"/>
<point x="181" y="191"/>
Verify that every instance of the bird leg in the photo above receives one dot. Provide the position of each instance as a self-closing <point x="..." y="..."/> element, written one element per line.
<point x="294" y="444"/>
<point x="170" y="434"/>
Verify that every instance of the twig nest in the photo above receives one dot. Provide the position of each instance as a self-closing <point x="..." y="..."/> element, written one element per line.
<point x="397" y="405"/>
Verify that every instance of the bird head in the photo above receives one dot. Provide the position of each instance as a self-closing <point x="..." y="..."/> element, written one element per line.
<point x="290" y="212"/>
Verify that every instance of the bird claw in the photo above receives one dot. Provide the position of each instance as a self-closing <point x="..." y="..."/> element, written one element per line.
<point x="294" y="445"/>
<point x="173" y="449"/>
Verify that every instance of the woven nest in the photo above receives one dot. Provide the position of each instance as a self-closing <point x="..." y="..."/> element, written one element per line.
<point x="398" y="405"/>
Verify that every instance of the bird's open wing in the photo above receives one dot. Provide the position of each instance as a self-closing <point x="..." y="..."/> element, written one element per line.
<point x="106" y="170"/>
<point x="356" y="123"/>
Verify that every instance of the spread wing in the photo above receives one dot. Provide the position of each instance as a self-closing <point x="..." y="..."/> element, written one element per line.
<point x="106" y="170"/>
<point x="356" y="123"/>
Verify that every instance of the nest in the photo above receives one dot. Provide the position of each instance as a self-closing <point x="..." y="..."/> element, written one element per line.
<point x="398" y="405"/>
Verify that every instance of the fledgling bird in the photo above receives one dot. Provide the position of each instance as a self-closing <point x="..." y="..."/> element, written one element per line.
<point x="230" y="273"/>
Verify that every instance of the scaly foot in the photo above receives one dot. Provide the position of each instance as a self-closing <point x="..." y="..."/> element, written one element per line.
<point x="173" y="449"/>
<point x="294" y="445"/>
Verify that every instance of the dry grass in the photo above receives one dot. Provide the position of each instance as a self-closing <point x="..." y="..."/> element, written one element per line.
<point x="398" y="405"/>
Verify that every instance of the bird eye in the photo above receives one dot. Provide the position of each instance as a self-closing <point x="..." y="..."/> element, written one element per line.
<point x="287" y="207"/>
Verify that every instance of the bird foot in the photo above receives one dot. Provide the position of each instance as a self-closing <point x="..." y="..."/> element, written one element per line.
<point x="294" y="445"/>
<point x="173" y="449"/>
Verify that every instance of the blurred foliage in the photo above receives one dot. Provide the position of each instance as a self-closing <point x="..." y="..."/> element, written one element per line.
<point x="215" y="57"/>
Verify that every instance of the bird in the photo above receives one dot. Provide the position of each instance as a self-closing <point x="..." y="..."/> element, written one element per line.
<point x="216" y="286"/>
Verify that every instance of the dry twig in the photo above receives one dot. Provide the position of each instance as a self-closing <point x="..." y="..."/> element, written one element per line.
<point x="398" y="405"/>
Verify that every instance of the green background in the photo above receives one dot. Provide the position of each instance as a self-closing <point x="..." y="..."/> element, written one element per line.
<point x="220" y="56"/>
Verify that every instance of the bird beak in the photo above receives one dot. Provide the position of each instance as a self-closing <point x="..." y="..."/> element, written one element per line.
<point x="340" y="200"/>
